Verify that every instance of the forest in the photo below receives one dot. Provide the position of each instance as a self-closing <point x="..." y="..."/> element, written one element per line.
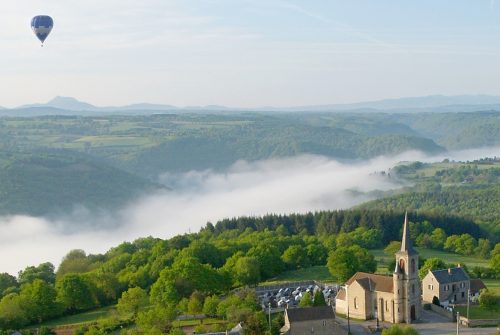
<point x="50" y="163"/>
<point x="465" y="189"/>
<point x="198" y="272"/>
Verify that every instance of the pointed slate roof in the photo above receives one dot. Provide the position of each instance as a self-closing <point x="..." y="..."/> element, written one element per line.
<point x="406" y="245"/>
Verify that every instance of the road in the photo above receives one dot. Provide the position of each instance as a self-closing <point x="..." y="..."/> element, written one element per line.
<point x="430" y="324"/>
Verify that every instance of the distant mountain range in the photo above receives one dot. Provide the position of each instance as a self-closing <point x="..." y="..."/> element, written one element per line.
<point x="72" y="104"/>
<point x="435" y="103"/>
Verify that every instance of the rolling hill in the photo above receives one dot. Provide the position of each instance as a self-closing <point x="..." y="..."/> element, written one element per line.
<point x="58" y="181"/>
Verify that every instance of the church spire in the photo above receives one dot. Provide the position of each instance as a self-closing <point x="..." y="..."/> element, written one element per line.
<point x="406" y="245"/>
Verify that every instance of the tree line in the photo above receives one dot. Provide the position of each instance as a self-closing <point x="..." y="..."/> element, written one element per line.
<point x="186" y="272"/>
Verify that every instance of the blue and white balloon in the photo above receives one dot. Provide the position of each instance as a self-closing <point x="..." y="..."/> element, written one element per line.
<point x="42" y="25"/>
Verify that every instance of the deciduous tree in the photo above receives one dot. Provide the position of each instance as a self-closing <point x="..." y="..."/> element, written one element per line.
<point x="306" y="300"/>
<point x="75" y="292"/>
<point x="132" y="300"/>
<point x="400" y="330"/>
<point x="431" y="264"/>
<point x="295" y="257"/>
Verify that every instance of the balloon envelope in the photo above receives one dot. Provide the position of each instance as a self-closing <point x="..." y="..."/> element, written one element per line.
<point x="42" y="25"/>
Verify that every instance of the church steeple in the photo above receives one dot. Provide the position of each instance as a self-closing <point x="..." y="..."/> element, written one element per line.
<point x="406" y="245"/>
<point x="407" y="295"/>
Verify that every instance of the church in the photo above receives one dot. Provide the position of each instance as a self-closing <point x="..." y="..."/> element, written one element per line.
<point x="394" y="299"/>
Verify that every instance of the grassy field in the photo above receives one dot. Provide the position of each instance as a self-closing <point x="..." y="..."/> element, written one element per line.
<point x="383" y="259"/>
<point x="493" y="285"/>
<point x="80" y="318"/>
<point x="321" y="272"/>
<point x="476" y="312"/>
<point x="430" y="170"/>
<point x="196" y="322"/>
<point x="313" y="273"/>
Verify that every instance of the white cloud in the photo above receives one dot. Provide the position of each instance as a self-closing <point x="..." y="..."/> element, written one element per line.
<point x="299" y="184"/>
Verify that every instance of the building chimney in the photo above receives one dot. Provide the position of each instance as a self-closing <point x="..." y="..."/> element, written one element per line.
<point x="449" y="271"/>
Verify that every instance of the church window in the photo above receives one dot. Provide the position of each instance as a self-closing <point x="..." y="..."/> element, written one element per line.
<point x="463" y="294"/>
<point x="412" y="265"/>
<point x="413" y="288"/>
<point x="402" y="264"/>
<point x="355" y="302"/>
<point x="386" y="306"/>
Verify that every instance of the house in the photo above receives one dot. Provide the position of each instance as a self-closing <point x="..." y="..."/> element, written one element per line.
<point x="476" y="285"/>
<point x="395" y="298"/>
<point x="448" y="285"/>
<point x="311" y="320"/>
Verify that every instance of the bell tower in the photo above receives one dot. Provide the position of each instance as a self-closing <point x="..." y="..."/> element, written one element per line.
<point x="407" y="295"/>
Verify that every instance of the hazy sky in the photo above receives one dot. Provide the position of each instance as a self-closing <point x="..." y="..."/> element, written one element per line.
<point x="248" y="52"/>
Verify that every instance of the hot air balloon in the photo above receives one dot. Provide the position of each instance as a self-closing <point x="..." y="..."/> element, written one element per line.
<point x="42" y="25"/>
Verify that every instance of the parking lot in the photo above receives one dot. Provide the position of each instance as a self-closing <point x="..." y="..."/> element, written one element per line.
<point x="288" y="295"/>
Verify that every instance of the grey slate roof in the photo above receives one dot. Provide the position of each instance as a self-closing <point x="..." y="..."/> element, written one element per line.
<point x="310" y="313"/>
<point x="476" y="285"/>
<point x="406" y="245"/>
<point x="452" y="275"/>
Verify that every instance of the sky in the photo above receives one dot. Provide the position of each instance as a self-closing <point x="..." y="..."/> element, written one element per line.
<point x="248" y="53"/>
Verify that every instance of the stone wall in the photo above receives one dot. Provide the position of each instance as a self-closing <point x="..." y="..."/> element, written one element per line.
<point x="478" y="323"/>
<point x="443" y="312"/>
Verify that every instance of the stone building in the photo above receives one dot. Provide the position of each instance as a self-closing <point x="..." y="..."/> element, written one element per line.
<point x="311" y="320"/>
<point x="395" y="298"/>
<point x="450" y="286"/>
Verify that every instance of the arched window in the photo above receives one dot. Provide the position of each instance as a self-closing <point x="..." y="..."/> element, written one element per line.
<point x="413" y="288"/>
<point x="412" y="265"/>
<point x="402" y="265"/>
<point x="355" y="303"/>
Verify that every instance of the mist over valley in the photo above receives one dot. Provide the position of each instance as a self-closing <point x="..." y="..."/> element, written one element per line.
<point x="191" y="199"/>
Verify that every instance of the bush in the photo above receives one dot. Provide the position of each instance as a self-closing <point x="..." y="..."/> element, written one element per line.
<point x="487" y="299"/>
<point x="399" y="330"/>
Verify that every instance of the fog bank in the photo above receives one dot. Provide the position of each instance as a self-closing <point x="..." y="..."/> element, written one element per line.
<point x="298" y="184"/>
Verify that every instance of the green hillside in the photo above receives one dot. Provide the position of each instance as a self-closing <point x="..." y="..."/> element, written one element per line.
<point x="456" y="130"/>
<point x="106" y="160"/>
<point x="149" y="145"/>
<point x="469" y="190"/>
<point x="55" y="181"/>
